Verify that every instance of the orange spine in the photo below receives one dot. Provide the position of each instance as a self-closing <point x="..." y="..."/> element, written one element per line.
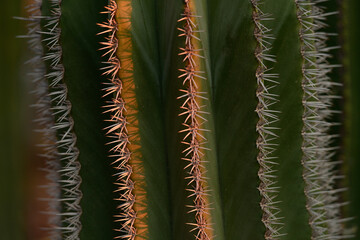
<point x="117" y="130"/>
<point x="194" y="140"/>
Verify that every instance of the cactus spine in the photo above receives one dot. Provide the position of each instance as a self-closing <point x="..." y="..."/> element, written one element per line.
<point x="194" y="140"/>
<point x="44" y="120"/>
<point x="70" y="179"/>
<point x="267" y="117"/>
<point x="118" y="130"/>
<point x="319" y="174"/>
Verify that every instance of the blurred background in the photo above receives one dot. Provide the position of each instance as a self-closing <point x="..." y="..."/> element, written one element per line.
<point x="20" y="165"/>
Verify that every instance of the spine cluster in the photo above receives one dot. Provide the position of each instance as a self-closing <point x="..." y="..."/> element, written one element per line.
<point x="117" y="130"/>
<point x="70" y="179"/>
<point x="319" y="174"/>
<point x="44" y="120"/>
<point x="267" y="117"/>
<point x="194" y="140"/>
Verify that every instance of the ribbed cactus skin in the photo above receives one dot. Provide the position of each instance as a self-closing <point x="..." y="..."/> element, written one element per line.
<point x="196" y="119"/>
<point x="84" y="80"/>
<point x="291" y="199"/>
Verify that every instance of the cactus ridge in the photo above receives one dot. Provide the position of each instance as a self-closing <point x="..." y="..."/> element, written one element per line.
<point x="117" y="130"/>
<point x="194" y="140"/>
<point x="44" y="120"/>
<point x="267" y="117"/>
<point x="70" y="179"/>
<point x="319" y="174"/>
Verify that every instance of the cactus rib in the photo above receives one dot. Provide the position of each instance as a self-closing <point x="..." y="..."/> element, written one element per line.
<point x="44" y="119"/>
<point x="194" y="140"/>
<point x="267" y="117"/>
<point x="118" y="128"/>
<point x="70" y="179"/>
<point x="319" y="174"/>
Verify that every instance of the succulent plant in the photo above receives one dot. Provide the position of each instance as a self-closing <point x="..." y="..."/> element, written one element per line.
<point x="194" y="119"/>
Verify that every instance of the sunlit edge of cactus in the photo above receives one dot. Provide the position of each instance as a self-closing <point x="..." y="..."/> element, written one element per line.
<point x="120" y="152"/>
<point x="194" y="141"/>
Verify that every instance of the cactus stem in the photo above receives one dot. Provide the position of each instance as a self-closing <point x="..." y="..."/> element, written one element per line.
<point x="45" y="120"/>
<point x="124" y="126"/>
<point x="319" y="174"/>
<point x="70" y="179"/>
<point x="118" y="128"/>
<point x="267" y="117"/>
<point x="194" y="140"/>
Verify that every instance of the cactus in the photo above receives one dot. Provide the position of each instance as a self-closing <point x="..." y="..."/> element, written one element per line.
<point x="194" y="119"/>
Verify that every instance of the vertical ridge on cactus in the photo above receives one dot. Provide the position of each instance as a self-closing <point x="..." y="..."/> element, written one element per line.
<point x="70" y="179"/>
<point x="265" y="127"/>
<point x="141" y="98"/>
<point x="319" y="174"/>
<point x="285" y="46"/>
<point x="194" y="118"/>
<point x="126" y="74"/>
<point x="44" y="120"/>
<point x="118" y="131"/>
<point x="233" y="78"/>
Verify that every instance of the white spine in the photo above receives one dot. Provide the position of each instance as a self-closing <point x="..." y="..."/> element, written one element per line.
<point x="70" y="179"/>
<point x="319" y="174"/>
<point x="266" y="81"/>
<point x="44" y="119"/>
